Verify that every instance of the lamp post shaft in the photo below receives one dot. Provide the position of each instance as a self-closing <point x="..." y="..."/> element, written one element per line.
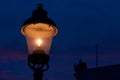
<point x="38" y="75"/>
<point x="38" y="62"/>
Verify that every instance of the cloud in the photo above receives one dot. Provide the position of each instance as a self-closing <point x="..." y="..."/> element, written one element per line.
<point x="12" y="55"/>
<point x="8" y="76"/>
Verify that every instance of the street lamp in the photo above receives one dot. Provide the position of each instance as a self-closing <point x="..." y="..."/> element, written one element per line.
<point x="39" y="31"/>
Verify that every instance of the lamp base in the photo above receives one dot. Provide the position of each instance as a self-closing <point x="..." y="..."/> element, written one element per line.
<point x="38" y="62"/>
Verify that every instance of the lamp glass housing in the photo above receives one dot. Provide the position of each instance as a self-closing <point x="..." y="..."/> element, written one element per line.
<point x="39" y="36"/>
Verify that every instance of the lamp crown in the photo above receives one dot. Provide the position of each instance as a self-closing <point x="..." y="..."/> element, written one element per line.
<point x="39" y="12"/>
<point x="39" y="15"/>
<point x="40" y="5"/>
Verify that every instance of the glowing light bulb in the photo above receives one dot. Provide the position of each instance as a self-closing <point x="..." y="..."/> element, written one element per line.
<point x="38" y="42"/>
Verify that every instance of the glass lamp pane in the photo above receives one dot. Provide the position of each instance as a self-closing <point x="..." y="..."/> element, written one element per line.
<point x="39" y="36"/>
<point x="35" y="44"/>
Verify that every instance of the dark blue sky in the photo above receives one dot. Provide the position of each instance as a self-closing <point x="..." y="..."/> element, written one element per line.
<point x="81" y="24"/>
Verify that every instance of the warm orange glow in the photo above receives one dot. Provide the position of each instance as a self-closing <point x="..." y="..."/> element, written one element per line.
<point x="39" y="42"/>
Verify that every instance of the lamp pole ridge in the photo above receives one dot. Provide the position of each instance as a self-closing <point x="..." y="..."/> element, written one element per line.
<point x="97" y="56"/>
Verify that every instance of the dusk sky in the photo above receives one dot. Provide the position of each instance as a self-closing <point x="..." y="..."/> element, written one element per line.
<point x="81" y="24"/>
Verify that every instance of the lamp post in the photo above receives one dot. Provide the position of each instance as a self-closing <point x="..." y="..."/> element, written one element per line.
<point x="39" y="31"/>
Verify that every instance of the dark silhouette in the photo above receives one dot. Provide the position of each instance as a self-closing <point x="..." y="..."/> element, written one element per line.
<point x="110" y="72"/>
<point x="80" y="67"/>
